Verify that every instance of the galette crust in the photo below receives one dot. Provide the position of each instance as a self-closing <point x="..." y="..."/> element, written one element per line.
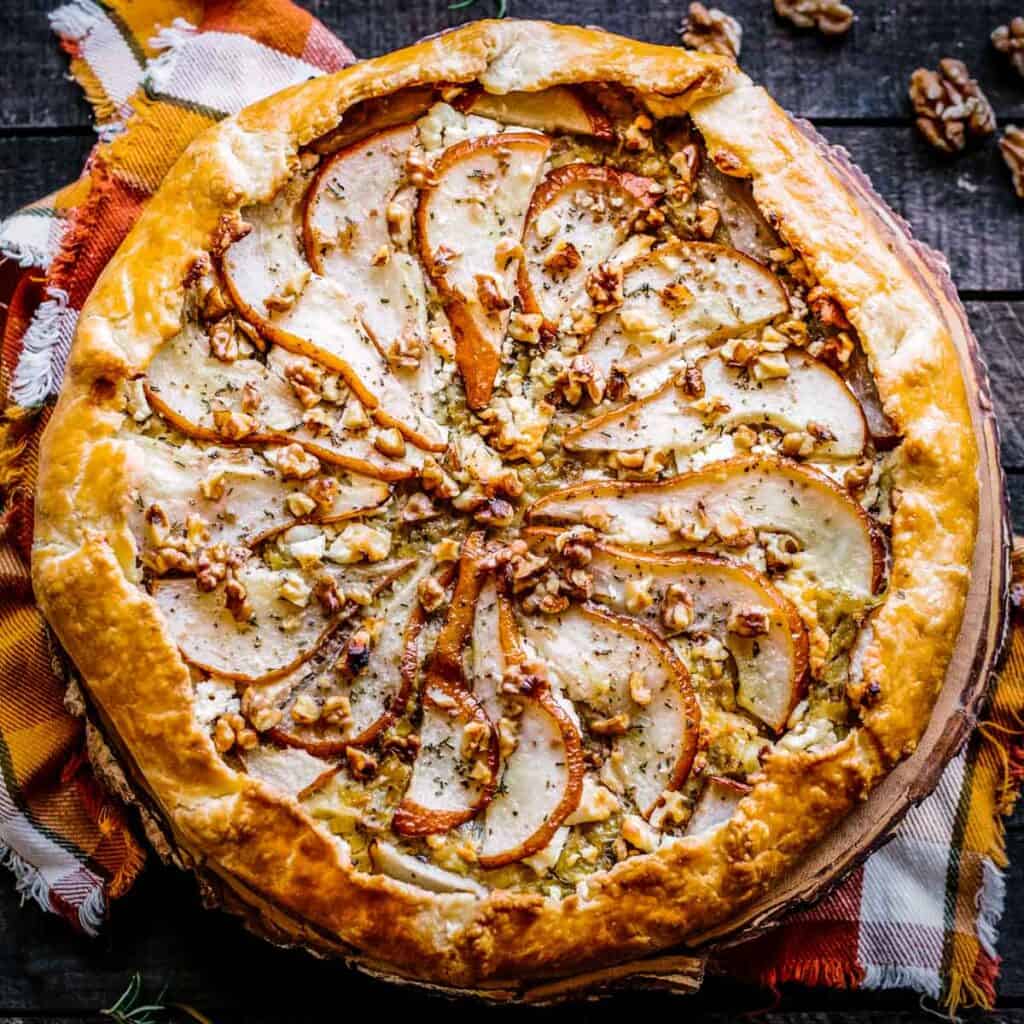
<point x="264" y="846"/>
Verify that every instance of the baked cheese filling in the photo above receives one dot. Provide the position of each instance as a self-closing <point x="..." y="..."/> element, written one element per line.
<point x="511" y="489"/>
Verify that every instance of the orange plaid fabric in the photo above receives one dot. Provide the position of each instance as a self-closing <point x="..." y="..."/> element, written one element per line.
<point x="923" y="912"/>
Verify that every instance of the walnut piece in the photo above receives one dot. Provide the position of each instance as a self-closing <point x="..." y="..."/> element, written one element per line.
<point x="1012" y="147"/>
<point x="1009" y="39"/>
<point x="710" y="30"/>
<point x="829" y="17"/>
<point x="950" y="106"/>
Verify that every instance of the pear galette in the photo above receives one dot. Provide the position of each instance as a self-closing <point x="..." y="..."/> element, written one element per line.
<point x="509" y="499"/>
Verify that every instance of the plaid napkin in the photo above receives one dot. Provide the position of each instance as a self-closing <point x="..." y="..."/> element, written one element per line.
<point x="923" y="912"/>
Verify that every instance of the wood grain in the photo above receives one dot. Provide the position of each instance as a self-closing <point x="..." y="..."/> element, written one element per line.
<point x="863" y="75"/>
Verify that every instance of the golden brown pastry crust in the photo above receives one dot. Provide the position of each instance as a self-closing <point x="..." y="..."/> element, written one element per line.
<point x="264" y="844"/>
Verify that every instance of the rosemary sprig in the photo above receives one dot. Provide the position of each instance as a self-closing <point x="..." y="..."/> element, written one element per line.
<point x="129" y="1010"/>
<point x="458" y="5"/>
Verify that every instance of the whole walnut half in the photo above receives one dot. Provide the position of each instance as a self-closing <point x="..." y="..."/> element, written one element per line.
<point x="829" y="17"/>
<point x="1009" y="39"/>
<point x="1012" y="147"/>
<point x="950" y="105"/>
<point x="711" y="31"/>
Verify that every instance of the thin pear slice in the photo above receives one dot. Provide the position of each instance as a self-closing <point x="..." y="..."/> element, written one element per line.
<point x="811" y="394"/>
<point x="349" y="239"/>
<point x="456" y="770"/>
<point x="469" y="225"/>
<point x="716" y="805"/>
<point x="371" y="116"/>
<point x="239" y="496"/>
<point x="583" y="211"/>
<point x="271" y="284"/>
<point x="681" y="295"/>
<point x="542" y="778"/>
<point x="840" y="549"/>
<point x="378" y="692"/>
<point x="278" y="637"/>
<point x="561" y="108"/>
<point x="771" y="668"/>
<point x="404" y="867"/>
<point x="595" y="653"/>
<point x="286" y="770"/>
<point x="185" y="385"/>
<point x="323" y="325"/>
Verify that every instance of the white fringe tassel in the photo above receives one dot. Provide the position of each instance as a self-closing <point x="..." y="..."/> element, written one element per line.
<point x="76" y="19"/>
<point x="37" y="375"/>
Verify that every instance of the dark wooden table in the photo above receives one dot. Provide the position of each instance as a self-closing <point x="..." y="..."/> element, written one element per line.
<point x="855" y="92"/>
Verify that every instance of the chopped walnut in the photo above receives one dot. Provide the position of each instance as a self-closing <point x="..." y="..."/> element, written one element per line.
<point x="295" y="463"/>
<point x="546" y="597"/>
<point x="516" y="426"/>
<point x="638" y="594"/>
<point x="490" y="294"/>
<point x="826" y="309"/>
<point x="744" y="438"/>
<point x="676" y="296"/>
<point x="306" y="379"/>
<point x="295" y="589"/>
<point x="639" y="691"/>
<point x="236" y="599"/>
<point x="1011" y="145"/>
<point x="390" y="442"/>
<point x="857" y="477"/>
<point x="829" y="17"/>
<point x="418" y="169"/>
<point x="355" y="417"/>
<point x="676" y="608"/>
<point x="382" y="257"/>
<point x="835" y="351"/>
<point x="950" y="106"/>
<point x="749" y="620"/>
<point x="224" y="340"/>
<point x="580" y="377"/>
<point x="337" y="711"/>
<point x="708" y="216"/>
<point x="645" y="327"/>
<point x="406" y="351"/>
<point x="419" y="508"/>
<point x="638" y="135"/>
<point x="362" y="765"/>
<point x="305" y="710"/>
<point x="299" y="504"/>
<point x="575" y="545"/>
<point x="495" y="512"/>
<point x="690" y="381"/>
<point x="525" y="327"/>
<point x="710" y="30"/>
<point x="431" y="594"/>
<point x="252" y="398"/>
<point x="617" y="725"/>
<point x="780" y="550"/>
<point x="327" y="595"/>
<point x="604" y="286"/>
<point x="564" y="256"/>
<point x="230" y="229"/>
<point x="524" y="568"/>
<point x="1009" y="39"/>
<point x="770" y="366"/>
<point x="436" y="481"/>
<point x="230" y="731"/>
<point x="639" y="834"/>
<point x="399" y="221"/>
<point x="233" y="426"/>
<point x="508" y="736"/>
<point x="358" y="540"/>
<point x="732" y="530"/>
<point x="797" y="445"/>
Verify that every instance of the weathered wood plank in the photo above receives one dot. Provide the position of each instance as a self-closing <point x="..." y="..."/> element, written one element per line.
<point x="31" y="167"/>
<point x="1015" y="487"/>
<point x="863" y="75"/>
<point x="964" y="208"/>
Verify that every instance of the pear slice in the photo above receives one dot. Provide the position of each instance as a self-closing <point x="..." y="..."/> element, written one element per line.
<point x="404" y="867"/>
<point x="377" y="114"/>
<point x="286" y="770"/>
<point x="561" y="109"/>
<point x="354" y="235"/>
<point x="771" y="668"/>
<point x="377" y="692"/>
<point x="681" y="295"/>
<point x="455" y="773"/>
<point x="811" y="394"/>
<point x="542" y="778"/>
<point x="237" y="493"/>
<point x="840" y="549"/>
<point x="583" y="211"/>
<point x="595" y="653"/>
<point x="716" y="805"/>
<point x="185" y="385"/>
<point x="278" y="637"/>
<point x="469" y="226"/>
<point x="271" y="284"/>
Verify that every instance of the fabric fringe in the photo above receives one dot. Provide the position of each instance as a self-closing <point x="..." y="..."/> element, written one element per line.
<point x="964" y="992"/>
<point x="53" y="322"/>
<point x="832" y="972"/>
<point x="15" y="433"/>
<point x="169" y="42"/>
<point x="73" y="23"/>
<point x="991" y="901"/>
<point x="25" y="254"/>
<point x="920" y="979"/>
